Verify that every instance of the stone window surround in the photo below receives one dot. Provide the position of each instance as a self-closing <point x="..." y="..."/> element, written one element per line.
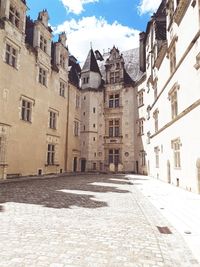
<point x="26" y="108"/>
<point x="43" y="75"/>
<point x="14" y="15"/>
<point x="53" y="118"/>
<point x="14" y="47"/>
<point x="176" y="145"/>
<point x="62" y="88"/>
<point x="173" y="97"/>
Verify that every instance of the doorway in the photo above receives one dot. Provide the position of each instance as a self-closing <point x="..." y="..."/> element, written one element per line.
<point x="83" y="165"/>
<point x="75" y="164"/>
<point x="137" y="167"/>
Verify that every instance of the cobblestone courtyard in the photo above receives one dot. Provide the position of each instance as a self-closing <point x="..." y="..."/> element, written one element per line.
<point x="85" y="221"/>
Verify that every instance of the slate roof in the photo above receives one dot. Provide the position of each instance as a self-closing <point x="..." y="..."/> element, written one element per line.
<point x="91" y="63"/>
<point x="131" y="60"/>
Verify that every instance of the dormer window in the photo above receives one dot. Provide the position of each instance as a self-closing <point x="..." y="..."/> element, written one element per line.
<point x="43" y="44"/>
<point x="114" y="77"/>
<point x="62" y="61"/>
<point x="85" y="80"/>
<point x="14" y="16"/>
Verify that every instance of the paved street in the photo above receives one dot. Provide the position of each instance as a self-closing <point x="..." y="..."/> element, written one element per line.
<point x="87" y="221"/>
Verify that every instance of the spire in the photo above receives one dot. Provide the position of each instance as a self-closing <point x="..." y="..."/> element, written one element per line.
<point x="91" y="63"/>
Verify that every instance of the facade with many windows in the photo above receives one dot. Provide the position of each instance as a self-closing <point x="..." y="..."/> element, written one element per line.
<point x="33" y="106"/>
<point x="169" y="56"/>
<point x="135" y="111"/>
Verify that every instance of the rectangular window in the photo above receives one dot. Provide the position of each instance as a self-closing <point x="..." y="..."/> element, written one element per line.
<point x="62" y="61"/>
<point x="114" y="77"/>
<point x="62" y="89"/>
<point x="155" y="115"/>
<point x="172" y="59"/>
<point x="156" y="150"/>
<point x="14" y="16"/>
<point x="52" y="119"/>
<point x="114" y="101"/>
<point x="43" y="44"/>
<point x="11" y="56"/>
<point x="143" y="158"/>
<point x="42" y="76"/>
<point x="76" y="128"/>
<point x="177" y="157"/>
<point x="26" y="110"/>
<point x="114" y="128"/>
<point x="174" y="104"/>
<point x="141" y="127"/>
<point x="113" y="156"/>
<point x="140" y="98"/>
<point x="51" y="154"/>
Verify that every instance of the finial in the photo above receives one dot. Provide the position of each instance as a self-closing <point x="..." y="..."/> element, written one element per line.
<point x="91" y="45"/>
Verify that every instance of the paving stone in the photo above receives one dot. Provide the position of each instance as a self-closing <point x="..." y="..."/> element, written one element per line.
<point x="85" y="221"/>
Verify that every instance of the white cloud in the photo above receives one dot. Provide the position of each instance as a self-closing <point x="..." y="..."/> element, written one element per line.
<point x="98" y="31"/>
<point x="148" y="6"/>
<point x="76" y="6"/>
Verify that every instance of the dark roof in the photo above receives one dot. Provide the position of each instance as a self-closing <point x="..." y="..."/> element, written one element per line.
<point x="131" y="65"/>
<point x="74" y="71"/>
<point x="91" y="63"/>
<point x="159" y="17"/>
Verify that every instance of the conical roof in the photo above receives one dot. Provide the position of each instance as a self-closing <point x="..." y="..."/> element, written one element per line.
<point x="91" y="63"/>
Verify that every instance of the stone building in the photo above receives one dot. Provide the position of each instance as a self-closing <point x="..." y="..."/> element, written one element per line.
<point x="135" y="111"/>
<point x="169" y="95"/>
<point x="33" y="94"/>
<point x="108" y="107"/>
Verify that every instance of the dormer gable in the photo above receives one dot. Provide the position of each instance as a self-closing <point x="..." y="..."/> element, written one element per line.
<point x="14" y="12"/>
<point x="114" y="67"/>
<point x="60" y="53"/>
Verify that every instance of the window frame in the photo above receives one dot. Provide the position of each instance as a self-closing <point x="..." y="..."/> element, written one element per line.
<point x="42" y="79"/>
<point x="26" y="110"/>
<point x="114" y="128"/>
<point x="114" y="156"/>
<point x="176" y="146"/>
<point x="43" y="43"/>
<point x="51" y="152"/>
<point x="14" y="16"/>
<point x="11" y="55"/>
<point x="53" y="119"/>
<point x="113" y="100"/>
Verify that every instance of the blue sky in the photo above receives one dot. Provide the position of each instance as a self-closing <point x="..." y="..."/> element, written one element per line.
<point x="103" y="22"/>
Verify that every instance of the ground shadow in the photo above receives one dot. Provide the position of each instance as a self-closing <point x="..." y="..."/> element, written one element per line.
<point x="50" y="192"/>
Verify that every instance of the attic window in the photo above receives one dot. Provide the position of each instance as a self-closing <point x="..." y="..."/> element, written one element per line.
<point x="85" y="80"/>
<point x="14" y="16"/>
<point x="114" y="77"/>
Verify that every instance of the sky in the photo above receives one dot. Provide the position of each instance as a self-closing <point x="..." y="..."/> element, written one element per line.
<point x="99" y="24"/>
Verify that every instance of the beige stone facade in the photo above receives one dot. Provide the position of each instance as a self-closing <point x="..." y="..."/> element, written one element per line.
<point x="108" y="114"/>
<point x="120" y="113"/>
<point x="33" y="110"/>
